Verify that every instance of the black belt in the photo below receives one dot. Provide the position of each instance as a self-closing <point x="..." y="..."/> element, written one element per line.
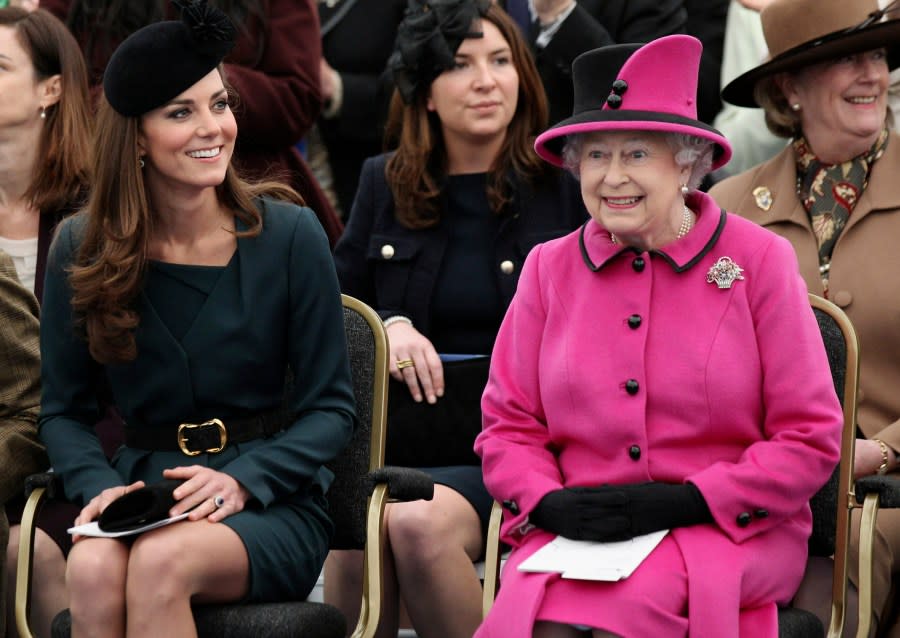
<point x="210" y="436"/>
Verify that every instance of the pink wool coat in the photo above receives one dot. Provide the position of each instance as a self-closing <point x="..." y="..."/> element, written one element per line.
<point x="733" y="393"/>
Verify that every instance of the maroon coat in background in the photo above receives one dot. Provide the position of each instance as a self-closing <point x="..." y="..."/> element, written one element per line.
<point x="280" y="94"/>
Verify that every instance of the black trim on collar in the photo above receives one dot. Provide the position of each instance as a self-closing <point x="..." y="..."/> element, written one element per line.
<point x="703" y="251"/>
<point x="584" y="253"/>
<point x="708" y="247"/>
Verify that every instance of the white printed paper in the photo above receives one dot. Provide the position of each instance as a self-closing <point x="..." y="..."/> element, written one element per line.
<point x="585" y="560"/>
<point x="93" y="528"/>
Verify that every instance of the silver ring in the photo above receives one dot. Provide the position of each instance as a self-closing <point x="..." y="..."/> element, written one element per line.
<point x="218" y="502"/>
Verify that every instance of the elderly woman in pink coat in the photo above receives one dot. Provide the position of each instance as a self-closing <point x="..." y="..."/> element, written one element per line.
<point x="658" y="369"/>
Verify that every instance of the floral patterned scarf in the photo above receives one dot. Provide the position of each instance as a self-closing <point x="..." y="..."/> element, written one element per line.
<point x="829" y="192"/>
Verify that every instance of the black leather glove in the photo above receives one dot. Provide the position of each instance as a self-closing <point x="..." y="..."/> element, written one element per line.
<point x="619" y="512"/>
<point x="580" y="513"/>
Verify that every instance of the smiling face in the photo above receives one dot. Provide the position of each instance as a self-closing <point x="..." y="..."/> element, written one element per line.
<point x="22" y="93"/>
<point x="477" y="98"/>
<point x="843" y="103"/>
<point x="631" y="185"/>
<point x="188" y="142"/>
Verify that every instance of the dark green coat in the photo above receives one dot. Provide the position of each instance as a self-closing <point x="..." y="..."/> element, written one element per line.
<point x="276" y="304"/>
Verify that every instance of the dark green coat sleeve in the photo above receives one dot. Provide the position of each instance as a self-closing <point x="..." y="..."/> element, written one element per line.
<point x="69" y="405"/>
<point x="322" y="394"/>
<point x="277" y="305"/>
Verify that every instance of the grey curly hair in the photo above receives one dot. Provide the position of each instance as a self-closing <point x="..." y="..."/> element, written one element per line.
<point x="689" y="150"/>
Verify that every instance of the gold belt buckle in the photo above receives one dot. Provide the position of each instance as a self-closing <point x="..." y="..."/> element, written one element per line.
<point x="182" y="441"/>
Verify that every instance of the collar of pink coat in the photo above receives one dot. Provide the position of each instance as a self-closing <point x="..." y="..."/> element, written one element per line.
<point x="598" y="250"/>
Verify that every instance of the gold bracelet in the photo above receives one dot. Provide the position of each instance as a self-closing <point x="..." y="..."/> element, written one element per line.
<point x="883" y="468"/>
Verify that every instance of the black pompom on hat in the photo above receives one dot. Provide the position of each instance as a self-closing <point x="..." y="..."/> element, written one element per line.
<point x="158" y="62"/>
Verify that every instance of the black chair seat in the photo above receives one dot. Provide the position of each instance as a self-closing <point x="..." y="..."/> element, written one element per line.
<point x="272" y="620"/>
<point x="797" y="623"/>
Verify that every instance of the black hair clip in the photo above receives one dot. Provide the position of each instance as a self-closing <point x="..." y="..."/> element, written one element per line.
<point x="614" y="100"/>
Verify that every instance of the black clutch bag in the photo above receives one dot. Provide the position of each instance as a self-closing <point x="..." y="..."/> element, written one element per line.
<point x="443" y="433"/>
<point x="141" y="507"/>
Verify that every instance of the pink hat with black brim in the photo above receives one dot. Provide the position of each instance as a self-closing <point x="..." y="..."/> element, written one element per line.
<point x="634" y="87"/>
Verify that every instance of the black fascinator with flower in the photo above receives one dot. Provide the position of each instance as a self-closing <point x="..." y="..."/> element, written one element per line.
<point x="427" y="40"/>
<point x="161" y="60"/>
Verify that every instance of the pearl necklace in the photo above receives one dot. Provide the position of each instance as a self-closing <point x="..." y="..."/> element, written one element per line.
<point x="687" y="222"/>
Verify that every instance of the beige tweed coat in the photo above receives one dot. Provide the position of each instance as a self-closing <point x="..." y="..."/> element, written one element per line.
<point x="21" y="453"/>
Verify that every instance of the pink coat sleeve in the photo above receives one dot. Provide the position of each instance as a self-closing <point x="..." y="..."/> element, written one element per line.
<point x="776" y="476"/>
<point x="519" y="467"/>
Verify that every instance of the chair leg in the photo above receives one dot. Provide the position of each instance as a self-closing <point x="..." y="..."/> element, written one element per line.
<point x="492" y="559"/>
<point x="26" y="561"/>
<point x="373" y="585"/>
<point x="866" y="542"/>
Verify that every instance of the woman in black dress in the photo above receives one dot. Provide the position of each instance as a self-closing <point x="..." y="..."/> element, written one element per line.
<point x="434" y="242"/>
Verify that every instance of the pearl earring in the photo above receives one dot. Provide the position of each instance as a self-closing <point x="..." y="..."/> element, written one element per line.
<point x="43" y="113"/>
<point x="141" y="162"/>
<point x="795" y="107"/>
<point x="685" y="190"/>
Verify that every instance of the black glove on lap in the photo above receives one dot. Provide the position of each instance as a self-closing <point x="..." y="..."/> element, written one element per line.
<point x="619" y="512"/>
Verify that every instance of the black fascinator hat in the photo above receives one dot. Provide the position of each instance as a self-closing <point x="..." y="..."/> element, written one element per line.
<point x="427" y="40"/>
<point x="161" y="60"/>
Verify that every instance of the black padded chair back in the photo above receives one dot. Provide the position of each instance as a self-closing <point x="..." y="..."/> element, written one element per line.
<point x="824" y="503"/>
<point x="831" y="518"/>
<point x="347" y="496"/>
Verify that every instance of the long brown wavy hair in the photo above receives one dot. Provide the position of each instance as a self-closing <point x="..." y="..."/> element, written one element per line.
<point x="109" y="270"/>
<point x="61" y="175"/>
<point x="417" y="169"/>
